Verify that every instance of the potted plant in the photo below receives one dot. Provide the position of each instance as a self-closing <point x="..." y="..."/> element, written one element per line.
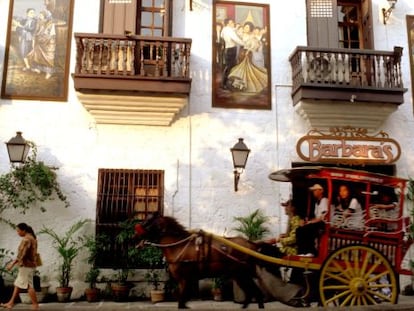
<point x="253" y="228"/>
<point x="120" y="287"/>
<point x="153" y="277"/>
<point x="68" y="248"/>
<point x="152" y="258"/>
<point x="92" y="292"/>
<point x="95" y="245"/>
<point x="217" y="288"/>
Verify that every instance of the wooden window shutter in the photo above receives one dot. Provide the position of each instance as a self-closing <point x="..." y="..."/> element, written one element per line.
<point x="322" y="23"/>
<point x="367" y="34"/>
<point x="119" y="16"/>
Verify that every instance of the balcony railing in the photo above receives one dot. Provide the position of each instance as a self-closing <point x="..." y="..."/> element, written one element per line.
<point x="132" y="63"/>
<point x="367" y="70"/>
<point x="137" y="56"/>
<point x="346" y="87"/>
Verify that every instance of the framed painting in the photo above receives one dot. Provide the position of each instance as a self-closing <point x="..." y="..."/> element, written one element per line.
<point x="241" y="55"/>
<point x="410" y="35"/>
<point x="36" y="63"/>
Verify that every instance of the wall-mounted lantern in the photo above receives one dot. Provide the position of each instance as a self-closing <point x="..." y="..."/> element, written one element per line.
<point x="239" y="152"/>
<point x="387" y="12"/>
<point x="18" y="148"/>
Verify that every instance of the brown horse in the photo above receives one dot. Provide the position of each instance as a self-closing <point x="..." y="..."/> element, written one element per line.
<point x="196" y="255"/>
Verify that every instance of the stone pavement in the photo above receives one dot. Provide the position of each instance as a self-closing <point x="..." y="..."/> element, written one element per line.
<point x="406" y="303"/>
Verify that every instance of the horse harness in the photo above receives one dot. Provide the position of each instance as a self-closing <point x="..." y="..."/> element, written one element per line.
<point x="203" y="244"/>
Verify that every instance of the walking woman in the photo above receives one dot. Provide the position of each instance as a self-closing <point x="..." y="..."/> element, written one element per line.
<point x="26" y="263"/>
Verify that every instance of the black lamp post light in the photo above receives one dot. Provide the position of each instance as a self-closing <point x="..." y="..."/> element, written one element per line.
<point x="17" y="148"/>
<point x="240" y="153"/>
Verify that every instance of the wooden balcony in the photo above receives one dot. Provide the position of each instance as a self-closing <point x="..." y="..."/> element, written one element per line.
<point x="341" y="87"/>
<point x="132" y="79"/>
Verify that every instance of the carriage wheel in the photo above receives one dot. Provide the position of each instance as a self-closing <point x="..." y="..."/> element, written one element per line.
<point x="357" y="275"/>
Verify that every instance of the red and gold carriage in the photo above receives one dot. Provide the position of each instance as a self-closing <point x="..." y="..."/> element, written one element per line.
<point x="359" y="259"/>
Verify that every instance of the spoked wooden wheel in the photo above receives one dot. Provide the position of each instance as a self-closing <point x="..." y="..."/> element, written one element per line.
<point x="357" y="275"/>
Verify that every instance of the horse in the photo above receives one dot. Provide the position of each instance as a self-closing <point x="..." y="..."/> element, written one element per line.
<point x="196" y="255"/>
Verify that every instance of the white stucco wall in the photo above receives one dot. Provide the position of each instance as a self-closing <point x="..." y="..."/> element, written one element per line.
<point x="193" y="151"/>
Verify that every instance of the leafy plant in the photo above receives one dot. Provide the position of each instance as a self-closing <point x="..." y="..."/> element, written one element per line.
<point x="28" y="184"/>
<point x="92" y="276"/>
<point x="95" y="246"/>
<point x="128" y="253"/>
<point x="252" y="226"/>
<point x="147" y="257"/>
<point x="121" y="275"/>
<point x="218" y="282"/>
<point x="5" y="257"/>
<point x="67" y="247"/>
<point x="152" y="258"/>
<point x="125" y="239"/>
<point x="153" y="277"/>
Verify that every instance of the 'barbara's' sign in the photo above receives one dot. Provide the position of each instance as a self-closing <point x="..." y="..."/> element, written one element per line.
<point x="348" y="145"/>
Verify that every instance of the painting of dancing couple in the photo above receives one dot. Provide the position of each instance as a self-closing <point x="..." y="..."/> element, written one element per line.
<point x="36" y="64"/>
<point x="241" y="55"/>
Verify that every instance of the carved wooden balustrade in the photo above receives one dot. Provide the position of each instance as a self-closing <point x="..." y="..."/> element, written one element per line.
<point x="336" y="87"/>
<point x="346" y="68"/>
<point x="133" y="56"/>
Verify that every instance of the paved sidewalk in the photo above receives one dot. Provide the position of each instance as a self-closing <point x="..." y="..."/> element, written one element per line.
<point x="406" y="303"/>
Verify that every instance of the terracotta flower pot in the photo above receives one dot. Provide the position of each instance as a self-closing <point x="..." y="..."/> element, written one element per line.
<point x="120" y="292"/>
<point x="63" y="293"/>
<point x="92" y="294"/>
<point x="157" y="295"/>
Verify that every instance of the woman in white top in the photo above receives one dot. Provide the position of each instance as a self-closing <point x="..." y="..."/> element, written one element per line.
<point x="350" y="208"/>
<point x="347" y="203"/>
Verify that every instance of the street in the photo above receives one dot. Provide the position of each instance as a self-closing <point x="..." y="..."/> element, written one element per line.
<point x="406" y="303"/>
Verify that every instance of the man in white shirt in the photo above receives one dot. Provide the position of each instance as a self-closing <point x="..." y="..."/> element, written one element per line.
<point x="306" y="234"/>
<point x="231" y="41"/>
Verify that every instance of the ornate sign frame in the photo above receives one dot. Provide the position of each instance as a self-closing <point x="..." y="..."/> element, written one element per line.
<point x="348" y="145"/>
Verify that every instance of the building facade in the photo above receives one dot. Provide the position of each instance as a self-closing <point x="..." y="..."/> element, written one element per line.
<point x="144" y="107"/>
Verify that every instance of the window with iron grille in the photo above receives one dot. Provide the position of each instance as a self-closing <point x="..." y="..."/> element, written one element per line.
<point x="125" y="194"/>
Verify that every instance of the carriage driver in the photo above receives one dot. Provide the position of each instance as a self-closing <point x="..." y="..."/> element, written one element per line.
<point x="286" y="242"/>
<point x="307" y="234"/>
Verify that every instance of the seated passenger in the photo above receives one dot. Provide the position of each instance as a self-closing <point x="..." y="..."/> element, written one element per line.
<point x="307" y="234"/>
<point x="385" y="209"/>
<point x="350" y="209"/>
<point x="286" y="242"/>
<point x="347" y="203"/>
<point x="386" y="203"/>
